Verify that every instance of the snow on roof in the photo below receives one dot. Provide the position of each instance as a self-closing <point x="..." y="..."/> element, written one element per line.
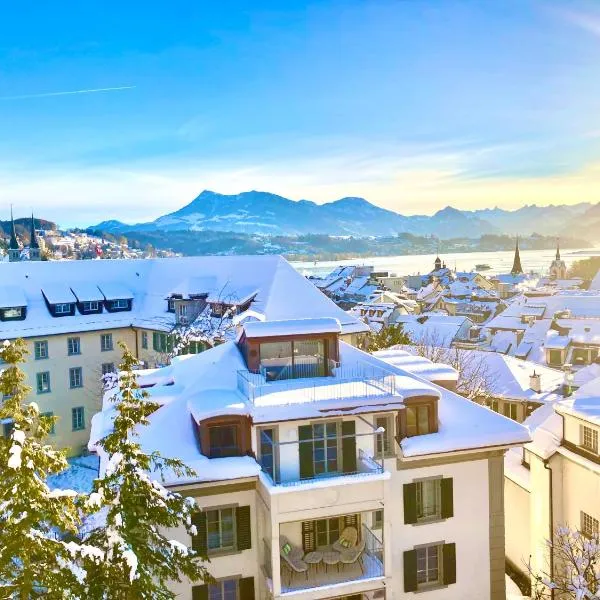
<point x="586" y="374"/>
<point x="554" y="341"/>
<point x="194" y="286"/>
<point x="283" y="292"/>
<point x="584" y="403"/>
<point x="86" y="291"/>
<point x="595" y="285"/>
<point x="434" y="328"/>
<point x="417" y="365"/>
<point x="115" y="290"/>
<point x="232" y="294"/>
<point x="12" y="296"/>
<point x="261" y="329"/>
<point x="58" y="293"/>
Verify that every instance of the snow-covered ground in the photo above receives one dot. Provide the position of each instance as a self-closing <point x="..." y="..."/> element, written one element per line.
<point x="79" y="476"/>
<point x="512" y="590"/>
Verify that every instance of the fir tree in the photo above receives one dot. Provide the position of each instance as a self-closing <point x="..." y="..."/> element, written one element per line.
<point x="386" y="337"/>
<point x="34" y="562"/>
<point x="137" y="511"/>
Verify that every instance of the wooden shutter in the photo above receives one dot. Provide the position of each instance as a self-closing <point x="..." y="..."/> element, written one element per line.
<point x="351" y="520"/>
<point x="401" y="424"/>
<point x="243" y="529"/>
<point x="410" y="503"/>
<point x="246" y="586"/>
<point x="449" y="565"/>
<point x="410" y="571"/>
<point x="447" y="498"/>
<point x="308" y="536"/>
<point x="200" y="592"/>
<point x="305" y="452"/>
<point x="199" y="541"/>
<point x="348" y="447"/>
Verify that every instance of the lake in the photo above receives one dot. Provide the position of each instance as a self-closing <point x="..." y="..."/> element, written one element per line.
<point x="536" y="261"/>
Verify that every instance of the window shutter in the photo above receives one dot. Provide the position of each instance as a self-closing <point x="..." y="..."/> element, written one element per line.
<point x="410" y="503"/>
<point x="200" y="592"/>
<point x="449" y="567"/>
<point x="308" y="536"/>
<point x="243" y="530"/>
<point x="199" y="541"/>
<point x="305" y="452"/>
<point x="349" y="447"/>
<point x="410" y="571"/>
<point x="246" y="585"/>
<point x="447" y="498"/>
<point x="401" y="424"/>
<point x="351" y="520"/>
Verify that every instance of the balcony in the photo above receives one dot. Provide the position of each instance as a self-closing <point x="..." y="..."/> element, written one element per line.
<point x="325" y="381"/>
<point x="342" y="550"/>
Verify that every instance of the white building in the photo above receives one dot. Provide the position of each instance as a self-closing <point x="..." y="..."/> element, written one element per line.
<point x="325" y="473"/>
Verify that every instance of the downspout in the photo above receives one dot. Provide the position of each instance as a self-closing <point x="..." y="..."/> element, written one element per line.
<point x="551" y="518"/>
<point x="137" y="349"/>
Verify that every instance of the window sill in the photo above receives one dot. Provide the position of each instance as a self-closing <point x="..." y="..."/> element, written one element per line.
<point x="430" y="587"/>
<point x="430" y="520"/>
<point x="220" y="553"/>
<point x="43" y="392"/>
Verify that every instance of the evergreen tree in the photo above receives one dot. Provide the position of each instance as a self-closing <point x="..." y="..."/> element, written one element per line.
<point x="386" y="337"/>
<point x="34" y="562"/>
<point x="136" y="510"/>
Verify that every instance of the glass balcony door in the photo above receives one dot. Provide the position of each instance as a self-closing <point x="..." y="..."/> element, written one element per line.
<point x="292" y="359"/>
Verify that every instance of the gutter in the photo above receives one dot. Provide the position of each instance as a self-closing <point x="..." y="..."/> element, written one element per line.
<point x="551" y="519"/>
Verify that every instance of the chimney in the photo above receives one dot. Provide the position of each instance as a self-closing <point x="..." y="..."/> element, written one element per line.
<point x="535" y="382"/>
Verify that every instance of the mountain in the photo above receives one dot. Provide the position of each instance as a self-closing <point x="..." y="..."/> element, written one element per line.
<point x="264" y="213"/>
<point x="586" y="225"/>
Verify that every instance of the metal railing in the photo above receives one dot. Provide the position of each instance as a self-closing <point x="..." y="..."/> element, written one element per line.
<point x="361" y="380"/>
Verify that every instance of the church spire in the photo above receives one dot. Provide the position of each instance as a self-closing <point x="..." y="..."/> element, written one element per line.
<point x="557" y="249"/>
<point x="14" y="243"/>
<point x="517" y="269"/>
<point x="33" y="243"/>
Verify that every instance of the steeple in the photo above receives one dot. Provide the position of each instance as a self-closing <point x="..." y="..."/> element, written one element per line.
<point x="14" y="252"/>
<point x="557" y="250"/>
<point x="34" y="247"/>
<point x="517" y="269"/>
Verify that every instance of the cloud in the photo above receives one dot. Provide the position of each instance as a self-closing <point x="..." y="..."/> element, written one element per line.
<point x="588" y="21"/>
<point x="70" y="93"/>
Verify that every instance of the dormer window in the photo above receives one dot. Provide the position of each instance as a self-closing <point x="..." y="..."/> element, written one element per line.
<point x="89" y="306"/>
<point x="59" y="299"/>
<point x="16" y="313"/>
<point x="419" y="417"/>
<point x="62" y="309"/>
<point x="221" y="437"/>
<point x="119" y="304"/>
<point x="116" y="297"/>
<point x="171" y="305"/>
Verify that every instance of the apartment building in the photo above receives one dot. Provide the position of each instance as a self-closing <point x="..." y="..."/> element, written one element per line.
<point x="554" y="481"/>
<point x="72" y="314"/>
<point x="325" y="473"/>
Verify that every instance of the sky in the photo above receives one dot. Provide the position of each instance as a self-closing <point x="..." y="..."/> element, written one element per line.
<point x="129" y="110"/>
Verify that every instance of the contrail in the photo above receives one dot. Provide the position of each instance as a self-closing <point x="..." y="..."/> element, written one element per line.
<point x="50" y="94"/>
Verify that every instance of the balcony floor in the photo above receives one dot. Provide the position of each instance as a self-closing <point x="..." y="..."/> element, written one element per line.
<point x="319" y="576"/>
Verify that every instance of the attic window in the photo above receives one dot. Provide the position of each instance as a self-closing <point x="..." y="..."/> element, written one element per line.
<point x="120" y="303"/>
<point x="62" y="309"/>
<point x="419" y="417"/>
<point x="11" y="313"/>
<point x="89" y="306"/>
<point x="222" y="437"/>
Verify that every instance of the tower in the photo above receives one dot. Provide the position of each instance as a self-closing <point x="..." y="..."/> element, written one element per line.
<point x="558" y="268"/>
<point x="438" y="260"/>
<point x="34" y="246"/>
<point x="517" y="269"/>
<point x="14" y="252"/>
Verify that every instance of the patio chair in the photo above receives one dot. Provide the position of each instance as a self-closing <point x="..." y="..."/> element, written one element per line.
<point x="292" y="557"/>
<point x="347" y="540"/>
<point x="352" y="555"/>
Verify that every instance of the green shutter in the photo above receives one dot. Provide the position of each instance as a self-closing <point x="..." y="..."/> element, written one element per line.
<point x="169" y="343"/>
<point x="243" y="532"/>
<point x="449" y="566"/>
<point x="199" y="541"/>
<point x="246" y="585"/>
<point x="200" y="592"/>
<point x="349" y="447"/>
<point x="305" y="451"/>
<point x="410" y="571"/>
<point x="410" y="503"/>
<point x="308" y="536"/>
<point x="447" y="498"/>
<point x="155" y="342"/>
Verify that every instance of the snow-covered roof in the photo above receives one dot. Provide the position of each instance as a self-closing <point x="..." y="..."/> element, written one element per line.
<point x="432" y="328"/>
<point x="207" y="385"/>
<point x="595" y="285"/>
<point x="12" y="296"/>
<point x="86" y="291"/>
<point x="417" y="365"/>
<point x="283" y="293"/>
<point x="586" y="374"/>
<point x="584" y="403"/>
<point x="260" y="329"/>
<point x="58" y="293"/>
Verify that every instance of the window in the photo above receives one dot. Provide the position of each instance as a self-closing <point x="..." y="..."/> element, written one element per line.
<point x="145" y="340"/>
<point x="429" y="499"/>
<point x="555" y="357"/>
<point x="220" y="529"/>
<point x="384" y="441"/>
<point x="223" y="590"/>
<point x="73" y="346"/>
<point x="327" y="531"/>
<point x="267" y="450"/>
<point x="589" y="526"/>
<point x="589" y="438"/>
<point x="90" y="306"/>
<point x="119" y="304"/>
<point x="162" y="342"/>
<point x="428" y="566"/>
<point x="75" y="377"/>
<point x="62" y="309"/>
<point x="223" y="440"/>
<point x="378" y="519"/>
<point x="292" y="360"/>
<point x="43" y="382"/>
<point x="171" y="305"/>
<point x="106" y="342"/>
<point x="510" y="410"/>
<point x="40" y="350"/>
<point x="417" y="420"/>
<point x="325" y="448"/>
<point x="494" y="405"/>
<point x="108" y="368"/>
<point x="12" y="313"/>
<point x="77" y="418"/>
<point x="7" y="429"/>
<point x="182" y="310"/>
<point x="49" y="415"/>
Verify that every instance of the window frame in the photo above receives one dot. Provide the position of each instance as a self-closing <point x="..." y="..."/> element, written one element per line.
<point x="274" y="446"/>
<point x="592" y="446"/>
<point x="221" y="550"/>
<point x="40" y="375"/>
<point x="235" y="450"/>
<point x="73" y="341"/>
<point x="103" y="346"/>
<point x="111" y="370"/>
<point x="440" y="563"/>
<point x="221" y="583"/>
<point x="75" y="420"/>
<point x="589" y="525"/>
<point x="388" y="436"/>
<point x="418" y="407"/>
<point x="39" y="344"/>
<point x="89" y="306"/>
<point x="332" y="534"/>
<point x="74" y="374"/>
<point x="49" y="414"/>
<point x="508" y="409"/>
<point x="144" y="340"/>
<point x="59" y="309"/>
<point x="12" y="312"/>
<point x="420" y="483"/>
<point x="326" y="448"/>
<point x="119" y="303"/>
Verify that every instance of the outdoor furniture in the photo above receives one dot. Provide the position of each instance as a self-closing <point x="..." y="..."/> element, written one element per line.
<point x="347" y="539"/>
<point x="331" y="557"/>
<point x="353" y="555"/>
<point x="314" y="558"/>
<point x="292" y="557"/>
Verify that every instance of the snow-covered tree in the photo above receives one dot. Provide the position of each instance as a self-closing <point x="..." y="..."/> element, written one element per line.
<point x="134" y="511"/>
<point x="34" y="561"/>
<point x="386" y="337"/>
<point x="573" y="567"/>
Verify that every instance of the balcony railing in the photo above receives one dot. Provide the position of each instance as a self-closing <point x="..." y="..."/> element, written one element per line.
<point x="361" y="380"/>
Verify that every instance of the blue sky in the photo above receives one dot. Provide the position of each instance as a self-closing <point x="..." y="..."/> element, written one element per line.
<point x="413" y="104"/>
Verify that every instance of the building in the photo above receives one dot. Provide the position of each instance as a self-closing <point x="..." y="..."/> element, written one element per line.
<point x="438" y="329"/>
<point x="383" y="309"/>
<point x="324" y="472"/>
<point x="558" y="268"/>
<point x="32" y="253"/>
<point x="554" y="481"/>
<point x="72" y="314"/>
<point x="517" y="268"/>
